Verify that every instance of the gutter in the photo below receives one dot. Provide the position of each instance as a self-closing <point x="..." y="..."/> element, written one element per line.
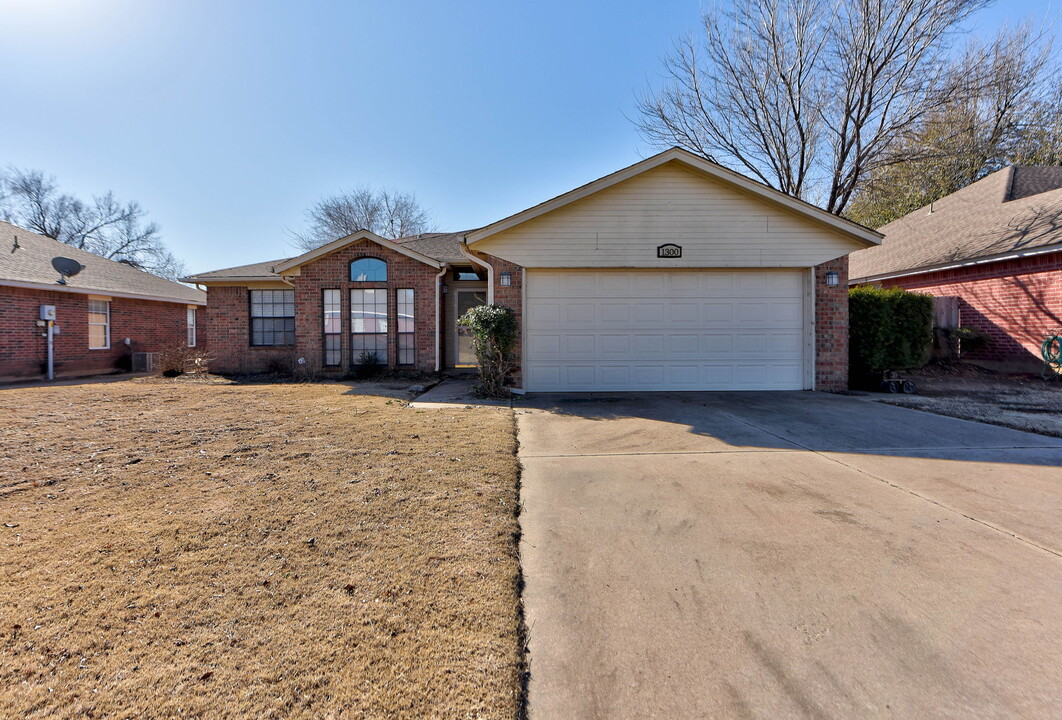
<point x="463" y="246"/>
<point x="98" y="291"/>
<point x="952" y="266"/>
<point x="438" y="316"/>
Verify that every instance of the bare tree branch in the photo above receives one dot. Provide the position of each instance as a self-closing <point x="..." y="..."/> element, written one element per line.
<point x="808" y="96"/>
<point x="387" y="213"/>
<point x="105" y="226"/>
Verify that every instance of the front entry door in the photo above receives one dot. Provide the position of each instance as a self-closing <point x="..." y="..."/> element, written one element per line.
<point x="466" y="300"/>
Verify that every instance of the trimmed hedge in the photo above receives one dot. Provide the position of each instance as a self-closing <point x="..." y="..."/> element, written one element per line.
<point x="888" y="329"/>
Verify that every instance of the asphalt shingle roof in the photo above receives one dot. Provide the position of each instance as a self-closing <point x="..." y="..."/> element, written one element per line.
<point x="262" y="270"/>
<point x="1011" y="210"/>
<point x="31" y="262"/>
<point x="439" y="246"/>
<point x="443" y="247"/>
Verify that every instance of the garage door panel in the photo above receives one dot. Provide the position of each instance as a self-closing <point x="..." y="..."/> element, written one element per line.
<point x="648" y="314"/>
<point x="661" y="330"/>
<point x="750" y="312"/>
<point x="580" y="345"/>
<point x="576" y="314"/>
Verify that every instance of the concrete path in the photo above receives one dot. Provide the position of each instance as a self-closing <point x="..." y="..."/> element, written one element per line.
<point x="787" y="555"/>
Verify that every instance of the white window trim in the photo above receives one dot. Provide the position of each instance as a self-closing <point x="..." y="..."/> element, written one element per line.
<point x="193" y="327"/>
<point x="106" y="326"/>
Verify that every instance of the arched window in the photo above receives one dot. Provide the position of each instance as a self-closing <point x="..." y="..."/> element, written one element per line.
<point x="368" y="270"/>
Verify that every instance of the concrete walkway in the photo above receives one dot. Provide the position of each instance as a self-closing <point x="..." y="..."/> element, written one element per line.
<point x="787" y="555"/>
<point x="455" y="392"/>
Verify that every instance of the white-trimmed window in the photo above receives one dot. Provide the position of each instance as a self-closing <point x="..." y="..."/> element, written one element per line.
<point x="406" y="344"/>
<point x="272" y="317"/>
<point x="99" y="324"/>
<point x="368" y="324"/>
<point x="332" y="326"/>
<point x="191" y="327"/>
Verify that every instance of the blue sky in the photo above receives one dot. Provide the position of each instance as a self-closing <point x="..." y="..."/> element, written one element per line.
<point x="226" y="119"/>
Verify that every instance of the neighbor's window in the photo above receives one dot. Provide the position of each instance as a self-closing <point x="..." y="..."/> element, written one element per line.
<point x="333" y="328"/>
<point x="368" y="324"/>
<point x="272" y="317"/>
<point x="406" y="316"/>
<point x="191" y="327"/>
<point x="99" y="324"/>
<point x="368" y="270"/>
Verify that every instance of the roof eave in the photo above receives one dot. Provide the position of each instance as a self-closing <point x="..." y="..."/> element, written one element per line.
<point x="953" y="264"/>
<point x="342" y="242"/>
<point x="100" y="291"/>
<point x="229" y="280"/>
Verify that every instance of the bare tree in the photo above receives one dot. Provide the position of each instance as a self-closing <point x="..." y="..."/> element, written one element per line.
<point x="808" y="96"/>
<point x="1005" y="111"/>
<point x="387" y="213"/>
<point x="103" y="226"/>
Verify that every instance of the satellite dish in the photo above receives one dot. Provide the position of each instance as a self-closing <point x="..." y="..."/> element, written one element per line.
<point x="66" y="268"/>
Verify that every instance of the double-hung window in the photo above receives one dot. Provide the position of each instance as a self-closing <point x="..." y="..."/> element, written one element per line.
<point x="99" y="324"/>
<point x="332" y="327"/>
<point x="368" y="324"/>
<point x="406" y="313"/>
<point x="272" y="317"/>
<point x="191" y="327"/>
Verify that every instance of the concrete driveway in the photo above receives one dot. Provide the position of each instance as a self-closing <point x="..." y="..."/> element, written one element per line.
<point x="787" y="555"/>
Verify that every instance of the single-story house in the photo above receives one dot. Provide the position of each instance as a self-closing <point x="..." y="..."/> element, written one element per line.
<point x="671" y="274"/>
<point x="996" y="245"/>
<point x="102" y="311"/>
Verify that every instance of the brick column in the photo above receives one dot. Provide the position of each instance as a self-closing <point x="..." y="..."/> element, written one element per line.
<point x="831" y="327"/>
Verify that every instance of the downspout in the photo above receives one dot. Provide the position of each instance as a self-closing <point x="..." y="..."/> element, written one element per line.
<point x="483" y="264"/>
<point x="438" y="316"/>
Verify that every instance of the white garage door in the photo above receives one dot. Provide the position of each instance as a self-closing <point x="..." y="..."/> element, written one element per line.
<point x="665" y="330"/>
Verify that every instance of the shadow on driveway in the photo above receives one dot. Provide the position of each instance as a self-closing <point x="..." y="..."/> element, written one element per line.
<point x="817" y="422"/>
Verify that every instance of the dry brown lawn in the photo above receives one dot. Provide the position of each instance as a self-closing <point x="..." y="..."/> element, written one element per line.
<point x="173" y="549"/>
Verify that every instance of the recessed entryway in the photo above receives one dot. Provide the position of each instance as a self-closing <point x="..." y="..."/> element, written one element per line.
<point x="462" y="299"/>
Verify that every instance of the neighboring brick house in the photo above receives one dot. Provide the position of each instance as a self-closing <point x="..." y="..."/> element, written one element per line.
<point x="671" y="274"/>
<point x="997" y="247"/>
<point x="97" y="311"/>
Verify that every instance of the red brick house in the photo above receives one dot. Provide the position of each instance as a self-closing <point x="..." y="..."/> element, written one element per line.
<point x="102" y="315"/>
<point x="997" y="247"/>
<point x="671" y="274"/>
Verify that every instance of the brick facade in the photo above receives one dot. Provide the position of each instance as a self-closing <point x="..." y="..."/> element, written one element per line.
<point x="150" y="325"/>
<point x="831" y="327"/>
<point x="1015" y="303"/>
<point x="228" y="315"/>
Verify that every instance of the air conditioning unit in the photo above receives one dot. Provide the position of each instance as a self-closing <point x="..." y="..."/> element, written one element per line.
<point x="145" y="361"/>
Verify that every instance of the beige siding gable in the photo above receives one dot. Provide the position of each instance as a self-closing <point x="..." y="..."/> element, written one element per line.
<point x="716" y="225"/>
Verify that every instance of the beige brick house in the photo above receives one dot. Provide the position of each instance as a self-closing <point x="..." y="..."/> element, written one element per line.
<point x="671" y="274"/>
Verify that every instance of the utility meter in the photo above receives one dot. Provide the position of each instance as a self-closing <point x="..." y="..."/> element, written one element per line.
<point x="47" y="312"/>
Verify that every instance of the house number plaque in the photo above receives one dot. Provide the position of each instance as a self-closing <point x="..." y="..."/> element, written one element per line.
<point x="669" y="250"/>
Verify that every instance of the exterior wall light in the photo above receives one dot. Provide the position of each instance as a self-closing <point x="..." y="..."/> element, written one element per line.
<point x="506" y="279"/>
<point x="833" y="279"/>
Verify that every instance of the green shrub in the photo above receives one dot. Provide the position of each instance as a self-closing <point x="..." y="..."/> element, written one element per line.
<point x="889" y="329"/>
<point x="494" y="335"/>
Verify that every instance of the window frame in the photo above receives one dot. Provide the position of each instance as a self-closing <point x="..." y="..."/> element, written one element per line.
<point x="383" y="354"/>
<point x="410" y="335"/>
<point x="251" y="317"/>
<point x="106" y="325"/>
<point x="192" y="323"/>
<point x="325" y="335"/>
<point x="355" y="261"/>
